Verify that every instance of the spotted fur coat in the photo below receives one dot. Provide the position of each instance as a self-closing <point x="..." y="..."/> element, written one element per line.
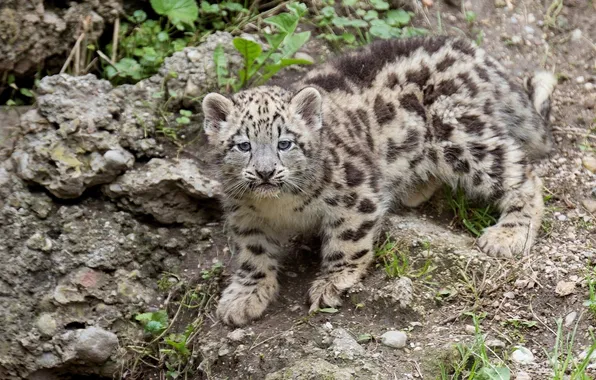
<point x="391" y="122"/>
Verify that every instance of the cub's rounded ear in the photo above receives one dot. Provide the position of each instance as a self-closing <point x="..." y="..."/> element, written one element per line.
<point x="216" y="109"/>
<point x="308" y="103"/>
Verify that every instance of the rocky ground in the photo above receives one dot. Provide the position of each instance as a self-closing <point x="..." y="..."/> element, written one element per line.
<point x="102" y="218"/>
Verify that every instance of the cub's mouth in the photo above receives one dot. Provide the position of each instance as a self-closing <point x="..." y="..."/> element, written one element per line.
<point x="267" y="189"/>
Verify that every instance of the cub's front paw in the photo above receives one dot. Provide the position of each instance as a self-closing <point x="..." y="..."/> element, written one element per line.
<point x="323" y="293"/>
<point x="505" y="241"/>
<point x="239" y="304"/>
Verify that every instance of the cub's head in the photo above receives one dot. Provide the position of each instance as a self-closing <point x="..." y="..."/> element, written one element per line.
<point x="266" y="139"/>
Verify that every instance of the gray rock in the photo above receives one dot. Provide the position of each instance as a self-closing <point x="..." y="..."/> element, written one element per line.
<point x="395" y="339"/>
<point x="46" y="324"/>
<point x="95" y="344"/>
<point x="70" y="159"/>
<point x="344" y="346"/>
<point x="171" y="191"/>
<point x="400" y="291"/>
<point x="590" y="205"/>
<point x="32" y="32"/>
<point x="522" y="355"/>
<point x="237" y="335"/>
<point x="195" y="68"/>
<point x="312" y="369"/>
<point x="590" y="163"/>
<point x="569" y="318"/>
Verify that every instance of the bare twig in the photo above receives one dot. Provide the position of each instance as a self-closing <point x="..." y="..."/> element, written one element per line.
<point x="72" y="53"/>
<point x="105" y="58"/>
<point x="115" y="40"/>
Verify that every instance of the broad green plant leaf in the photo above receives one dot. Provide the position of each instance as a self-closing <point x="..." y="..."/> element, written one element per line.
<point x="271" y="70"/>
<point x="250" y="51"/>
<point x="397" y="17"/>
<point x="185" y="11"/>
<point x="293" y="43"/>
<point x="285" y="22"/>
<point x="380" y="5"/>
<point x="495" y="373"/>
<point x="329" y="310"/>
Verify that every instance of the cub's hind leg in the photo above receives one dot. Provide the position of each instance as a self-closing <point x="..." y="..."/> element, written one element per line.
<point x="496" y="170"/>
<point x="422" y="193"/>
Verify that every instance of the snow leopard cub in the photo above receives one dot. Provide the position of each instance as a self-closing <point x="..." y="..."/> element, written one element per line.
<point x="390" y="122"/>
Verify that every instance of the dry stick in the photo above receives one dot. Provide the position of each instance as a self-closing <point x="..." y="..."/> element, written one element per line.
<point x="77" y="59"/>
<point x="90" y="65"/>
<point x="72" y="53"/>
<point x="105" y="58"/>
<point x="115" y="39"/>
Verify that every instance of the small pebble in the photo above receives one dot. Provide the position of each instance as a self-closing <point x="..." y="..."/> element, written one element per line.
<point x="576" y="35"/>
<point x="469" y="329"/>
<point x="569" y="318"/>
<point x="395" y="339"/>
<point x="522" y="355"/>
<point x="580" y="79"/>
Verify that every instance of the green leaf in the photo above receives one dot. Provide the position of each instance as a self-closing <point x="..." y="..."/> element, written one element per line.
<point x="293" y="43"/>
<point x="186" y="113"/>
<point x="371" y="15"/>
<point x="209" y="8"/>
<point x="250" y="51"/>
<point x="154" y="327"/>
<point x="183" y="120"/>
<point x="221" y="65"/>
<point x="381" y="30"/>
<point x="285" y="22"/>
<point x="343" y="22"/>
<point x="162" y="36"/>
<point x="329" y="310"/>
<point x="233" y="7"/>
<point x="26" y="92"/>
<point x="129" y="67"/>
<point x="398" y="17"/>
<point x="364" y="338"/>
<point x="271" y="70"/>
<point x="299" y="9"/>
<point x="348" y="38"/>
<point x="349" y="3"/>
<point x="495" y="373"/>
<point x="139" y="16"/>
<point x="380" y="4"/>
<point x="328" y="12"/>
<point x="185" y="11"/>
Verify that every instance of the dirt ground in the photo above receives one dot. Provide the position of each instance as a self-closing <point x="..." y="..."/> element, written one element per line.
<point x="465" y="280"/>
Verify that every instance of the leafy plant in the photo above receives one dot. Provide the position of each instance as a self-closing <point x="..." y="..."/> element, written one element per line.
<point x="590" y="303"/>
<point x="170" y="347"/>
<point x="19" y="95"/>
<point x="154" y="322"/>
<point x="358" y="22"/>
<point x="143" y="44"/>
<point x="393" y="256"/>
<point x="565" y="366"/>
<point x="473" y="219"/>
<point x="474" y="362"/>
<point x="259" y="65"/>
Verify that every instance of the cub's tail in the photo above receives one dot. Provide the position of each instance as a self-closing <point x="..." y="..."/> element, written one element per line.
<point x="540" y="87"/>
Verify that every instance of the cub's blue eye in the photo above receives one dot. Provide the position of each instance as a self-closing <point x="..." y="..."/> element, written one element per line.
<point x="244" y="147"/>
<point x="284" y="145"/>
